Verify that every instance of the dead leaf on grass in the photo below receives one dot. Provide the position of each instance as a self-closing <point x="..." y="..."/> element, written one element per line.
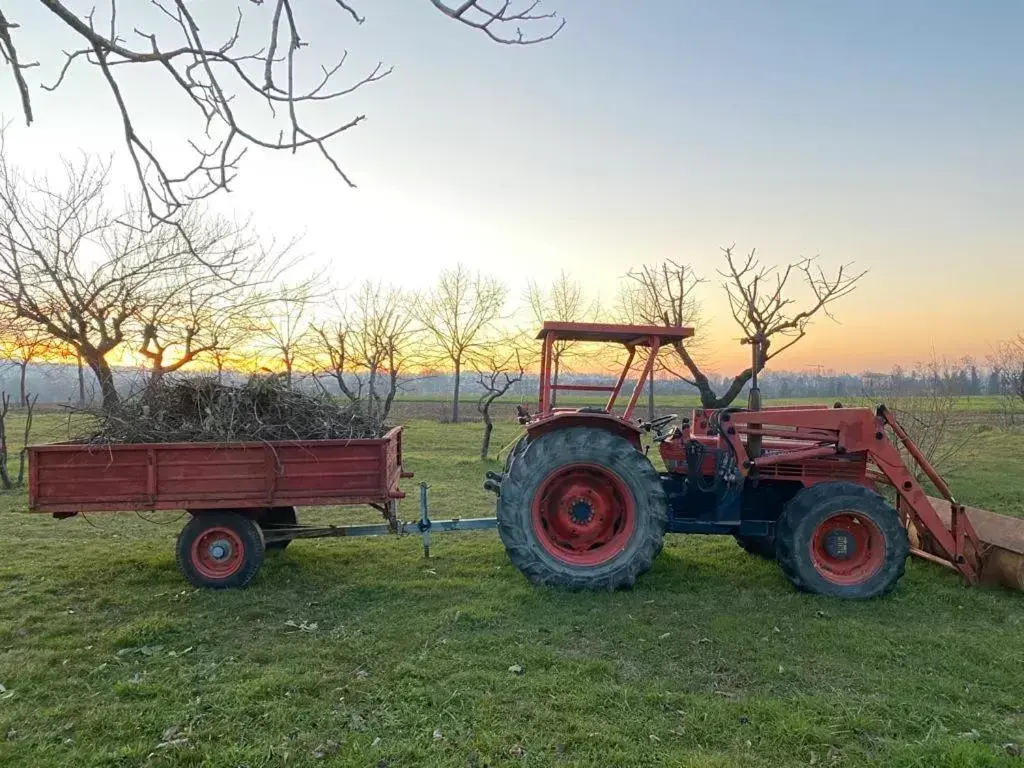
<point x="173" y="738"/>
<point x="302" y="626"/>
<point x="326" y="749"/>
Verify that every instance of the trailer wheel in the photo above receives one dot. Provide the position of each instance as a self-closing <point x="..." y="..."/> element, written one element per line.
<point x="278" y="517"/>
<point x="582" y="508"/>
<point x="220" y="550"/>
<point x="843" y="540"/>
<point x="761" y="546"/>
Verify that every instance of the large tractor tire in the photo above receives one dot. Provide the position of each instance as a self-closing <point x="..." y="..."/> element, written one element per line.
<point x="220" y="550"/>
<point x="842" y="540"/>
<point x="278" y="517"/>
<point x="761" y="546"/>
<point x="582" y="508"/>
<point x="515" y="452"/>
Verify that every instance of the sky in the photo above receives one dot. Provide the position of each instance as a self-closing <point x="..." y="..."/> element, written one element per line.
<point x="886" y="134"/>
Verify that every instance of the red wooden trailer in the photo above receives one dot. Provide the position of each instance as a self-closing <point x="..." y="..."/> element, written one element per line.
<point x="241" y="496"/>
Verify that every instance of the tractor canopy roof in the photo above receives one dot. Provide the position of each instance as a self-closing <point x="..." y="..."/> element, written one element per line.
<point x="633" y="335"/>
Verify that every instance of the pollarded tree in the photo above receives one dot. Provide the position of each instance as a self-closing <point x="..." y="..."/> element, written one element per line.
<point x="762" y="303"/>
<point x="457" y="315"/>
<point x="243" y="73"/>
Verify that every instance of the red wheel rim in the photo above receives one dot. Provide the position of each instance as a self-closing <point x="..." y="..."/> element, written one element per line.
<point x="847" y="548"/>
<point x="218" y="552"/>
<point x="583" y="514"/>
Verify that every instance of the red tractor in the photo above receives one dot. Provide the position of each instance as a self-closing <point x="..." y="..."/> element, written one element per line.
<point x="580" y="503"/>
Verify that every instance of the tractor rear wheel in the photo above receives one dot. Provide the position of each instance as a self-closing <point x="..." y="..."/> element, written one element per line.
<point x="516" y="451"/>
<point x="582" y="508"/>
<point x="278" y="517"/>
<point x="762" y="546"/>
<point x="220" y="550"/>
<point x="843" y="540"/>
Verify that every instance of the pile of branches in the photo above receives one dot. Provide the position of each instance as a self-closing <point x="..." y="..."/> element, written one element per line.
<point x="202" y="410"/>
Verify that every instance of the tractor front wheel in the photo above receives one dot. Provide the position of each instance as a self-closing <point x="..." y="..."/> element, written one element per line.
<point x="582" y="508"/>
<point x="843" y="540"/>
<point x="220" y="550"/>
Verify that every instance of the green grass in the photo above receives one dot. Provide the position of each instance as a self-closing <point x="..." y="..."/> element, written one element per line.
<point x="110" y="659"/>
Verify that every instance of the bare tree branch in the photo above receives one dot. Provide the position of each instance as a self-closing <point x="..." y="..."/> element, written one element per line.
<point x="222" y="82"/>
<point x="369" y="345"/>
<point x="95" y="279"/>
<point x="761" y="303"/>
<point x="490" y="17"/>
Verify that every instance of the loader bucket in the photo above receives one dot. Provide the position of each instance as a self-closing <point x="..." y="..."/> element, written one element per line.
<point x="1001" y="538"/>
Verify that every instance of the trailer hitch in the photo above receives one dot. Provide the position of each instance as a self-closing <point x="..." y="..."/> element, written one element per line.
<point x="425" y="524"/>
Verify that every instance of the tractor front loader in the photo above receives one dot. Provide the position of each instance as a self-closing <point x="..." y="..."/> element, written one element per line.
<point x="823" y="490"/>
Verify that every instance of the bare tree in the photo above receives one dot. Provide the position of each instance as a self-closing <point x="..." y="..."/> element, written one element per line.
<point x="209" y="307"/>
<point x="369" y="345"/>
<point x="22" y="344"/>
<point x="761" y="302"/>
<point x="1008" y="363"/>
<point x="334" y="353"/>
<point x="496" y="373"/>
<point x="457" y="314"/>
<point x="242" y="80"/>
<point x="288" y="329"/>
<point x="665" y="294"/>
<point x="564" y="301"/>
<point x="92" y="278"/>
<point x="930" y="410"/>
<point x="7" y="481"/>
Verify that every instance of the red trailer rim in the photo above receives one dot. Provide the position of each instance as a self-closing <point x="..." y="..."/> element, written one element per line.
<point x="218" y="552"/>
<point x="847" y="548"/>
<point x="583" y="514"/>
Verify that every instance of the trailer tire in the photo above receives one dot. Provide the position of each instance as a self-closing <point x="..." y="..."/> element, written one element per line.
<point x="843" y="540"/>
<point x="220" y="550"/>
<point x="576" y="482"/>
<point x="277" y="517"/>
<point x="761" y="546"/>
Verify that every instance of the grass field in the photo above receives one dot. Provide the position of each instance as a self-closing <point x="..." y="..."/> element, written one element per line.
<point x="361" y="653"/>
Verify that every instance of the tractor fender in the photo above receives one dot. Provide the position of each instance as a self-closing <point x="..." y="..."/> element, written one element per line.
<point x="595" y="420"/>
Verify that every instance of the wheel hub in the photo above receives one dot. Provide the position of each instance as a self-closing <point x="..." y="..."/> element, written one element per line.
<point x="581" y="512"/>
<point x="840" y="544"/>
<point x="220" y="550"/>
<point x="847" y="548"/>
